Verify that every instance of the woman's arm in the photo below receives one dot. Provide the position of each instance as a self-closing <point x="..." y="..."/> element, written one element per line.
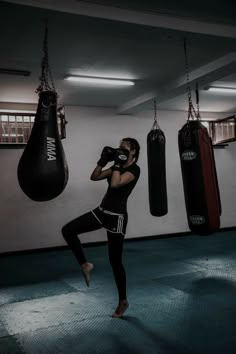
<point x="118" y="180"/>
<point x="98" y="174"/>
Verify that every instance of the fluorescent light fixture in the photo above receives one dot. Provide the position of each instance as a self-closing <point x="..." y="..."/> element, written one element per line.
<point x="223" y="89"/>
<point x="99" y="80"/>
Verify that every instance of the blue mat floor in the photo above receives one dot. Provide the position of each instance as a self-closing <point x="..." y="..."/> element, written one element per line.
<point x="181" y="290"/>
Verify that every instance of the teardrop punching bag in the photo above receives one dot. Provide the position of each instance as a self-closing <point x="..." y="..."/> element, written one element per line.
<point x="202" y="198"/>
<point x="157" y="171"/>
<point x="42" y="170"/>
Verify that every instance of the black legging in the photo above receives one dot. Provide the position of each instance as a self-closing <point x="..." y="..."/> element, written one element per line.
<point x="85" y="223"/>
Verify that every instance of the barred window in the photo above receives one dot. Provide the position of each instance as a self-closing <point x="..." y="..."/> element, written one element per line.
<point x="221" y="130"/>
<point x="224" y="131"/>
<point x="15" y="128"/>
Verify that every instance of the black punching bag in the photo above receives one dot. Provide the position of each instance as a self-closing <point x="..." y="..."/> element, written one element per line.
<point x="157" y="171"/>
<point x="202" y="198"/>
<point x="42" y="170"/>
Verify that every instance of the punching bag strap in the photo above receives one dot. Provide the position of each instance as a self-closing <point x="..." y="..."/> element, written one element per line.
<point x="46" y="72"/>
<point x="63" y="121"/>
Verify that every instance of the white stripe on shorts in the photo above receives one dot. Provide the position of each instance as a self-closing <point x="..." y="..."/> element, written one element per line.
<point x="96" y="217"/>
<point x="120" y="224"/>
<point x="109" y="212"/>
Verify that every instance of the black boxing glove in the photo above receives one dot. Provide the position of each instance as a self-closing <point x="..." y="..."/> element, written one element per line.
<point x="121" y="156"/>
<point x="108" y="154"/>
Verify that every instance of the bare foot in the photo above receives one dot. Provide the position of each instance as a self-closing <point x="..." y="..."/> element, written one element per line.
<point x="86" y="269"/>
<point x="121" y="308"/>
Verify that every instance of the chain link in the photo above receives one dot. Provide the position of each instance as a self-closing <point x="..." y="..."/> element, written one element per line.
<point x="155" y="124"/>
<point x="46" y="75"/>
<point x="191" y="109"/>
<point x="197" y="100"/>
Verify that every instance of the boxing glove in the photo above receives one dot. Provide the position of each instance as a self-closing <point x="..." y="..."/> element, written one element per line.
<point x="108" y="154"/>
<point x="121" y="156"/>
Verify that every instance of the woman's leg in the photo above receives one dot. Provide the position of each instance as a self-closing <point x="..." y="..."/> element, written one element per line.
<point x="84" y="223"/>
<point x="115" y="249"/>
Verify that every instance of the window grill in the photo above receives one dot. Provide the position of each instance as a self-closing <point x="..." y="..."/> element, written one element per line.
<point x="15" y="128"/>
<point x="221" y="131"/>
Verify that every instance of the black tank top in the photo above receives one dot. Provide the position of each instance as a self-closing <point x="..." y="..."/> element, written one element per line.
<point x="115" y="199"/>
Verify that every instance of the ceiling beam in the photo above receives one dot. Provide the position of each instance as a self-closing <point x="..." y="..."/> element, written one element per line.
<point x="131" y="16"/>
<point x="205" y="74"/>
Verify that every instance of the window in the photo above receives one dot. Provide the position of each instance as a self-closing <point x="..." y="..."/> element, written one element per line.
<point x="221" y="131"/>
<point x="15" y="128"/>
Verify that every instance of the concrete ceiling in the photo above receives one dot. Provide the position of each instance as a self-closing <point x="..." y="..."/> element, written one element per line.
<point x="142" y="41"/>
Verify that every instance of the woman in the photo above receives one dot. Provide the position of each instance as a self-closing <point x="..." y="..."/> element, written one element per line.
<point x="111" y="214"/>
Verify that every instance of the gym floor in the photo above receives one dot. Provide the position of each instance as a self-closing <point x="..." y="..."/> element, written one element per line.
<point x="181" y="291"/>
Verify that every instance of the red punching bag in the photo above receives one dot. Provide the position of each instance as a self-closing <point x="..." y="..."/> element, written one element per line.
<point x="200" y="183"/>
<point x="157" y="170"/>
<point x="201" y="190"/>
<point x="42" y="170"/>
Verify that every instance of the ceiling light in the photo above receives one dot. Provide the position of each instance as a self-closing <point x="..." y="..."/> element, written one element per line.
<point x="99" y="80"/>
<point x="222" y="89"/>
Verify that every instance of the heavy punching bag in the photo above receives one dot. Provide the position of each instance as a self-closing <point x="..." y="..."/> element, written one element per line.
<point x="157" y="170"/>
<point x="201" y="190"/>
<point x="42" y="170"/>
<point x="202" y="198"/>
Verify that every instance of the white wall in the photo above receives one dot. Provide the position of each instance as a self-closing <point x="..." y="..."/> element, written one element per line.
<point x="26" y="224"/>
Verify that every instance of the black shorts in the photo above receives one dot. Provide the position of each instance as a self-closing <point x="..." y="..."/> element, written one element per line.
<point x="113" y="222"/>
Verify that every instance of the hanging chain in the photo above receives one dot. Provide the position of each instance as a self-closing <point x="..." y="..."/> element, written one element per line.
<point x="155" y="124"/>
<point x="46" y="71"/>
<point x="157" y="134"/>
<point x="191" y="109"/>
<point x="197" y="100"/>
